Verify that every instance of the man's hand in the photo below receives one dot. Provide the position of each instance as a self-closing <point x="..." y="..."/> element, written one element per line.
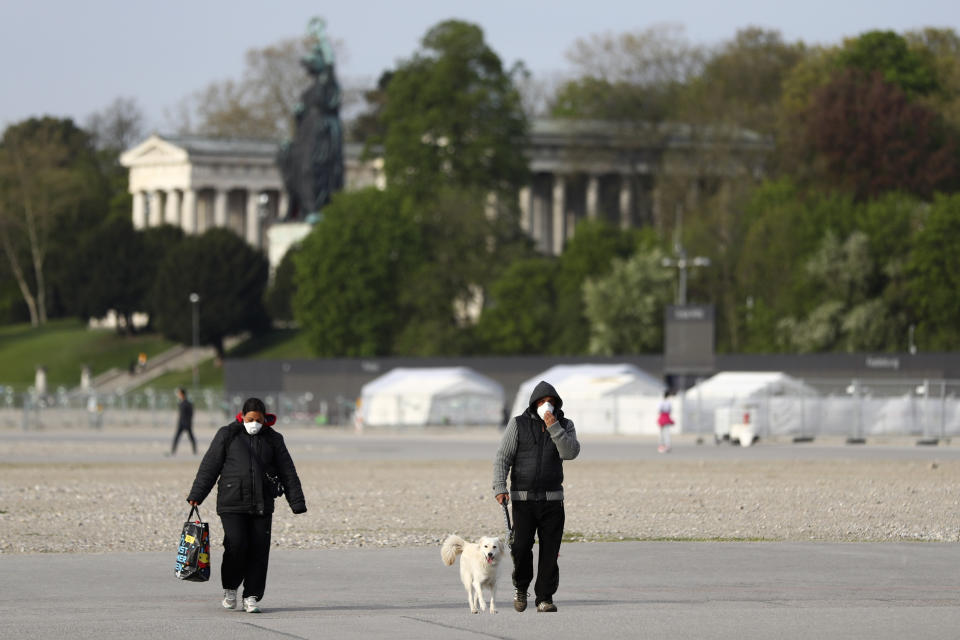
<point x="193" y="503"/>
<point x="503" y="498"/>
<point x="549" y="419"/>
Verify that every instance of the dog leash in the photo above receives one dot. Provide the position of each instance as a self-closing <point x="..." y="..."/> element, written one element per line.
<point x="506" y="518"/>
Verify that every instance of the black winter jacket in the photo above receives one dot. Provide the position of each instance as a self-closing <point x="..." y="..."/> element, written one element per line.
<point x="240" y="489"/>
<point x="538" y="465"/>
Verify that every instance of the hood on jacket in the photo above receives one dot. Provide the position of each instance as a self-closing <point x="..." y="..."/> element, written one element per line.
<point x="542" y="390"/>
<point x="269" y="419"/>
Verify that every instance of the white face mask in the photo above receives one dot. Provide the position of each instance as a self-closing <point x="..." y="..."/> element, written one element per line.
<point x="542" y="409"/>
<point x="252" y="427"/>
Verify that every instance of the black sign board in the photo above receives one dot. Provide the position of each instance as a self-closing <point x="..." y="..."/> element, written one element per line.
<point x="688" y="341"/>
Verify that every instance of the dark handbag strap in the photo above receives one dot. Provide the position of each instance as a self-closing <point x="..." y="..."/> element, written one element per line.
<point x="193" y="510"/>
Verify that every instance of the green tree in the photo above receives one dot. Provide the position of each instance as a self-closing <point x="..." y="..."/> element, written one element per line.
<point x="51" y="189"/>
<point x="282" y="290"/>
<point x="862" y="99"/>
<point x="942" y="46"/>
<point x="230" y="277"/>
<point x="463" y="250"/>
<point x="453" y="116"/>
<point x="110" y="273"/>
<point x="783" y="226"/>
<point x="589" y="254"/>
<point x="350" y="271"/>
<point x="639" y="76"/>
<point x="889" y="54"/>
<point x="157" y="243"/>
<point x="742" y="80"/>
<point x="626" y="307"/>
<point x="868" y="138"/>
<point x="520" y="316"/>
<point x="933" y="276"/>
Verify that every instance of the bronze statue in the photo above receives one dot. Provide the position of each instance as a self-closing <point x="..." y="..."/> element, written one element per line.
<point x="312" y="164"/>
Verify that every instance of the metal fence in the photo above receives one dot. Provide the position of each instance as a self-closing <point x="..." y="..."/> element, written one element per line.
<point x="853" y="408"/>
<point x="151" y="408"/>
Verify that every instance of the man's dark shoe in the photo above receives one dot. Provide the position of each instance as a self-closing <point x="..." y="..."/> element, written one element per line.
<point x="546" y="606"/>
<point x="520" y="600"/>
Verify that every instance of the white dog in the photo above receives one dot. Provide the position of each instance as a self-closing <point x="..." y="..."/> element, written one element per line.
<point x="478" y="566"/>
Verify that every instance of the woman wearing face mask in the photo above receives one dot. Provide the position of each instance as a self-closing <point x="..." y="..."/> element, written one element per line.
<point x="242" y="455"/>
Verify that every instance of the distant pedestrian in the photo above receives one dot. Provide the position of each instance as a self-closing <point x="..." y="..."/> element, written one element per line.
<point x="254" y="467"/>
<point x="184" y="421"/>
<point x="664" y="421"/>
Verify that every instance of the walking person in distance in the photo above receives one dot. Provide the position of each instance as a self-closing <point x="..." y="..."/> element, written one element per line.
<point x="664" y="421"/>
<point x="249" y="462"/>
<point x="532" y="451"/>
<point x="184" y="421"/>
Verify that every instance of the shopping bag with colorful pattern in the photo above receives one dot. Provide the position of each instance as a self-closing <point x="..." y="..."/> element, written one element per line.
<point x="193" y="554"/>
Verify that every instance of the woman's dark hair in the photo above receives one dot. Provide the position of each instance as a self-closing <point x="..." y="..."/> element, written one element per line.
<point x="253" y="404"/>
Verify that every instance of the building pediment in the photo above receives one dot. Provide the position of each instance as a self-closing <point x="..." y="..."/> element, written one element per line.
<point x="152" y="151"/>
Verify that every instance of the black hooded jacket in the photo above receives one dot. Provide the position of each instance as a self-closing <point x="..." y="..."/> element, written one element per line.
<point x="538" y="466"/>
<point x="240" y="486"/>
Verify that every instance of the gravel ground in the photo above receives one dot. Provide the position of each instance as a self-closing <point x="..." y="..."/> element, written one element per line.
<point x="111" y="506"/>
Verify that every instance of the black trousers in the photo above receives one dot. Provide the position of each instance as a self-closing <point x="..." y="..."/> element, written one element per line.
<point x="176" y="438"/>
<point x="543" y="518"/>
<point x="246" y="552"/>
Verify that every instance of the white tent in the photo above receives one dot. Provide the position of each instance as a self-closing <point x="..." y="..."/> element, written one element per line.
<point x="774" y="402"/>
<point x="436" y="396"/>
<point x="601" y="398"/>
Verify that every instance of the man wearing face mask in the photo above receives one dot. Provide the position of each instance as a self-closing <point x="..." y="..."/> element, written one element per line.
<point x="242" y="455"/>
<point x="532" y="450"/>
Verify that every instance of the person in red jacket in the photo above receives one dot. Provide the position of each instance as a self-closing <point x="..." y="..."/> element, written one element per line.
<point x="664" y="421"/>
<point x="251" y="461"/>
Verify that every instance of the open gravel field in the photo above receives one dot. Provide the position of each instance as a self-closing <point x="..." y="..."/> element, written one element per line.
<point x="122" y="494"/>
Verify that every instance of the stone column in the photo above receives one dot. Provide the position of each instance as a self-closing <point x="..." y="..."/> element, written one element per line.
<point x="593" y="196"/>
<point x="139" y="210"/>
<point x="253" y="218"/>
<point x="172" y="209"/>
<point x="156" y="208"/>
<point x="188" y="215"/>
<point x="219" y="208"/>
<point x="559" y="214"/>
<point x="626" y="200"/>
<point x="283" y="205"/>
<point x="538" y="218"/>
<point x="526" y="203"/>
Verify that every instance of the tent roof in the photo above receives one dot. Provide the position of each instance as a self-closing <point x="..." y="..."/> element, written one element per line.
<point x="734" y="384"/>
<point x="595" y="380"/>
<point x="432" y="381"/>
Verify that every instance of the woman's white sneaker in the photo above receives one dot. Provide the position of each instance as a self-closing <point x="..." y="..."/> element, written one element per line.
<point x="250" y="605"/>
<point x="229" y="598"/>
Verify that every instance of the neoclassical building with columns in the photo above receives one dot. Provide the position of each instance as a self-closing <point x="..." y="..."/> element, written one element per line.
<point x="579" y="169"/>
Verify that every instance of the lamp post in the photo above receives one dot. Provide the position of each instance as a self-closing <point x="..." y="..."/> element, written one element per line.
<point x="195" y="303"/>
<point x="681" y="262"/>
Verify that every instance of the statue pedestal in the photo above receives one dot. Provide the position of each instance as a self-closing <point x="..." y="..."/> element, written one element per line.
<point x="280" y="237"/>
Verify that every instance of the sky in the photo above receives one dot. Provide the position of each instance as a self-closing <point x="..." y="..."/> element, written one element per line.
<point x="70" y="59"/>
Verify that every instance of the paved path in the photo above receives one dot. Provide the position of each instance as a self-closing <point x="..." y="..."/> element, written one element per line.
<point x="611" y="590"/>
<point x="141" y="444"/>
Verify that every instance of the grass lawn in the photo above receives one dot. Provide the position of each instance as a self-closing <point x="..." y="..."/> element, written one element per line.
<point x="63" y="347"/>
<point x="209" y="376"/>
<point x="279" y="344"/>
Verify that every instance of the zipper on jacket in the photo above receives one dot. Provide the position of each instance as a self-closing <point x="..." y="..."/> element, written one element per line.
<point x="253" y="475"/>
<point x="536" y="475"/>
